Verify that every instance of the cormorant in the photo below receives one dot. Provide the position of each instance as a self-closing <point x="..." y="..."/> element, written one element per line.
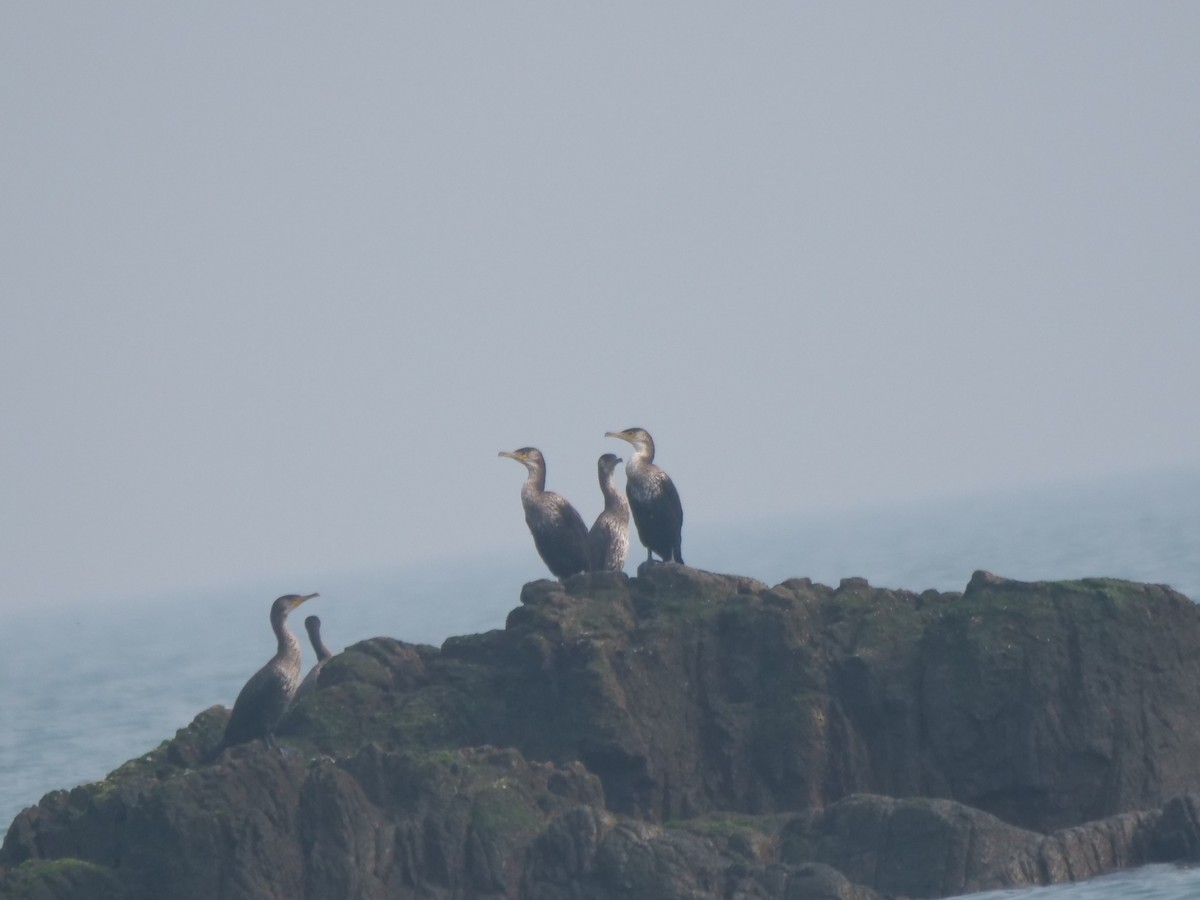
<point x="558" y="531"/>
<point x="313" y="626"/>
<point x="608" y="539"/>
<point x="657" y="512"/>
<point x="265" y="697"/>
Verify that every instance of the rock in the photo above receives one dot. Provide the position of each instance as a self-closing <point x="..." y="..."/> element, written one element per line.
<point x="679" y="734"/>
<point x="267" y="824"/>
<point x="1176" y="835"/>
<point x="51" y="879"/>
<point x="1045" y="693"/>
<point x="939" y="848"/>
<point x="601" y="857"/>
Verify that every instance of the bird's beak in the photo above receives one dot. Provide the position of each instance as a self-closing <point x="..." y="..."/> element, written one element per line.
<point x="618" y="435"/>
<point x="300" y="600"/>
<point x="509" y="454"/>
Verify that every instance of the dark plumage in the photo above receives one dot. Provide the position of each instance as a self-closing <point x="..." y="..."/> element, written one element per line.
<point x="558" y="530"/>
<point x="653" y="500"/>
<point x="266" y="696"/>
<point x="312" y="625"/>
<point x="608" y="539"/>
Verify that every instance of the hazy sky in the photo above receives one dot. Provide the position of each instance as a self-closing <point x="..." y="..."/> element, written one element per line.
<point x="279" y="281"/>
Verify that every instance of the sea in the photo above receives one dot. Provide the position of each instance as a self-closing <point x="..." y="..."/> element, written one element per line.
<point x="92" y="684"/>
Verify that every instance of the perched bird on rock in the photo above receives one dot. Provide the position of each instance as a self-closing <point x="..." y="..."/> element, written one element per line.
<point x="312" y="625"/>
<point x="558" y="531"/>
<point x="653" y="500"/>
<point x="265" y="697"/>
<point x="608" y="539"/>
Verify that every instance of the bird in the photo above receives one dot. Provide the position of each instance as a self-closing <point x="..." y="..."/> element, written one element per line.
<point x="313" y="626"/>
<point x="608" y="538"/>
<point x="558" y="531"/>
<point x="653" y="499"/>
<point x="264" y="698"/>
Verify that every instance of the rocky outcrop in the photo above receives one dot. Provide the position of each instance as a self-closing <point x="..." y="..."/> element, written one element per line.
<point x="938" y="848"/>
<point x="680" y="734"/>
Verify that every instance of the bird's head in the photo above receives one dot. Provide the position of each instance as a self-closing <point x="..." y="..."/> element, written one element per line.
<point x="639" y="437"/>
<point x="607" y="463"/>
<point x="530" y="457"/>
<point x="285" y="604"/>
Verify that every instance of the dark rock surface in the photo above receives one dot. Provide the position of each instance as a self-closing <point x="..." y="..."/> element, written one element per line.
<point x="681" y="734"/>
<point x="938" y="848"/>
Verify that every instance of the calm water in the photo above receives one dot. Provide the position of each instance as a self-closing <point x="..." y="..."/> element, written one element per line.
<point x="1147" y="883"/>
<point x="88" y="689"/>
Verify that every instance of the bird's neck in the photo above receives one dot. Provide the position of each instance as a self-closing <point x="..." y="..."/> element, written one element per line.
<point x="643" y="456"/>
<point x="612" y="495"/>
<point x="286" y="645"/>
<point x="535" y="483"/>
<point x="320" y="649"/>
